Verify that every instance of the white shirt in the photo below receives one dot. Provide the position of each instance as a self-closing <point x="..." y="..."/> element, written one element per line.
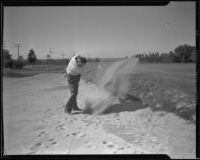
<point x="73" y="68"/>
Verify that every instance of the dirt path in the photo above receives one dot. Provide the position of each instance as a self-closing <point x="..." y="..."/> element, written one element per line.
<point x="34" y="123"/>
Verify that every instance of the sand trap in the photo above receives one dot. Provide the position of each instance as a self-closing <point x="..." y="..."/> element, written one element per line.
<point x="34" y="123"/>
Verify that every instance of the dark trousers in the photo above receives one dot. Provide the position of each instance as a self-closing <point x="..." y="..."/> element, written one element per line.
<point x="73" y="83"/>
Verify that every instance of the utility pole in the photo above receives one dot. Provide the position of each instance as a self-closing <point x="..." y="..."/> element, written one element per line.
<point x="18" y="45"/>
<point x="50" y="52"/>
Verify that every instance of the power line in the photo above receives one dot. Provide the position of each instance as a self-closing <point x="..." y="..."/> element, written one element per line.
<point x="18" y="46"/>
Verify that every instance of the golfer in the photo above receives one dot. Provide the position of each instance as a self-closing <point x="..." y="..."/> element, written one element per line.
<point x="74" y="71"/>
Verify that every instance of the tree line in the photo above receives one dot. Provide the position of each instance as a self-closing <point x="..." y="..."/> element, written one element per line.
<point x="9" y="62"/>
<point x="182" y="53"/>
<point x="20" y="62"/>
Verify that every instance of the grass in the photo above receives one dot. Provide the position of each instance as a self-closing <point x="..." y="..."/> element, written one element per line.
<point x="33" y="70"/>
<point x="16" y="73"/>
<point x="90" y="70"/>
<point x="167" y="87"/>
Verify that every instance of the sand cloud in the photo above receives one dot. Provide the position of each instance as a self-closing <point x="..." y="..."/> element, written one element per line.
<point x="113" y="83"/>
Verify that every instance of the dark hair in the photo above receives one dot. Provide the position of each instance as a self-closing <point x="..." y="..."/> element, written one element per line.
<point x="83" y="60"/>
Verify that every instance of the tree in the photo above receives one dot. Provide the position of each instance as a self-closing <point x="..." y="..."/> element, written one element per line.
<point x="6" y="55"/>
<point x="184" y="52"/>
<point x="7" y="60"/>
<point x="48" y="58"/>
<point x="97" y="59"/>
<point x="31" y="56"/>
<point x="171" y="56"/>
<point x="193" y="56"/>
<point x="20" y="58"/>
<point x="165" y="58"/>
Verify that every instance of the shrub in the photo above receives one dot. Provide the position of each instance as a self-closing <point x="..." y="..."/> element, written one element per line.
<point x="9" y="64"/>
<point x="18" y="64"/>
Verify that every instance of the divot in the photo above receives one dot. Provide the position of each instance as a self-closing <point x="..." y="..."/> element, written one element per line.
<point x="36" y="147"/>
<point x="53" y="143"/>
<point x="67" y="135"/>
<point x="121" y="148"/>
<point x="90" y="145"/>
<point x="110" y="145"/>
<point x="74" y="133"/>
<point x="81" y="134"/>
<point x="51" y="139"/>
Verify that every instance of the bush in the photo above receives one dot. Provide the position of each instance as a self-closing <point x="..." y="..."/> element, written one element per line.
<point x="9" y="64"/>
<point x="18" y="65"/>
<point x="97" y="59"/>
<point x="14" y="64"/>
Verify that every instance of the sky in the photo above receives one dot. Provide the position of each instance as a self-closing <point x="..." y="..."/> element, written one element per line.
<point x="98" y="31"/>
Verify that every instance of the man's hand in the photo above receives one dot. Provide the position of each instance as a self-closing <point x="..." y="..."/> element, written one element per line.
<point x="65" y="75"/>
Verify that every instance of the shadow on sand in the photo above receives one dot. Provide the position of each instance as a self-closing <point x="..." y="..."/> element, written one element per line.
<point x="128" y="103"/>
<point x="80" y="112"/>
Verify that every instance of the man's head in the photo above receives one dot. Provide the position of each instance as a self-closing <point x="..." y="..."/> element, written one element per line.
<point x="81" y="61"/>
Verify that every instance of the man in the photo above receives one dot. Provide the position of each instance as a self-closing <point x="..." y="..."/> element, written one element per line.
<point x="74" y="71"/>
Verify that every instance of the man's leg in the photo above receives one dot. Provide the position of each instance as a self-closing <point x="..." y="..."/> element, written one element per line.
<point x="69" y="105"/>
<point x="73" y="86"/>
<point x="76" y="86"/>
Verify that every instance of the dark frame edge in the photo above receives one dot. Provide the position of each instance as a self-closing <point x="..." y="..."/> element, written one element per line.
<point x="86" y="3"/>
<point x="2" y="135"/>
<point x="197" y="80"/>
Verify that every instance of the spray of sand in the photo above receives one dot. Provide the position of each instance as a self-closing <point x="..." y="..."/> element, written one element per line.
<point x="113" y="83"/>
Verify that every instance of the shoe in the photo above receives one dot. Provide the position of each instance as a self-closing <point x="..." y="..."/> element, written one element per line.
<point x="67" y="110"/>
<point x="77" y="109"/>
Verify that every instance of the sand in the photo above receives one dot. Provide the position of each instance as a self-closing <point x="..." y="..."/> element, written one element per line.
<point x="35" y="123"/>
